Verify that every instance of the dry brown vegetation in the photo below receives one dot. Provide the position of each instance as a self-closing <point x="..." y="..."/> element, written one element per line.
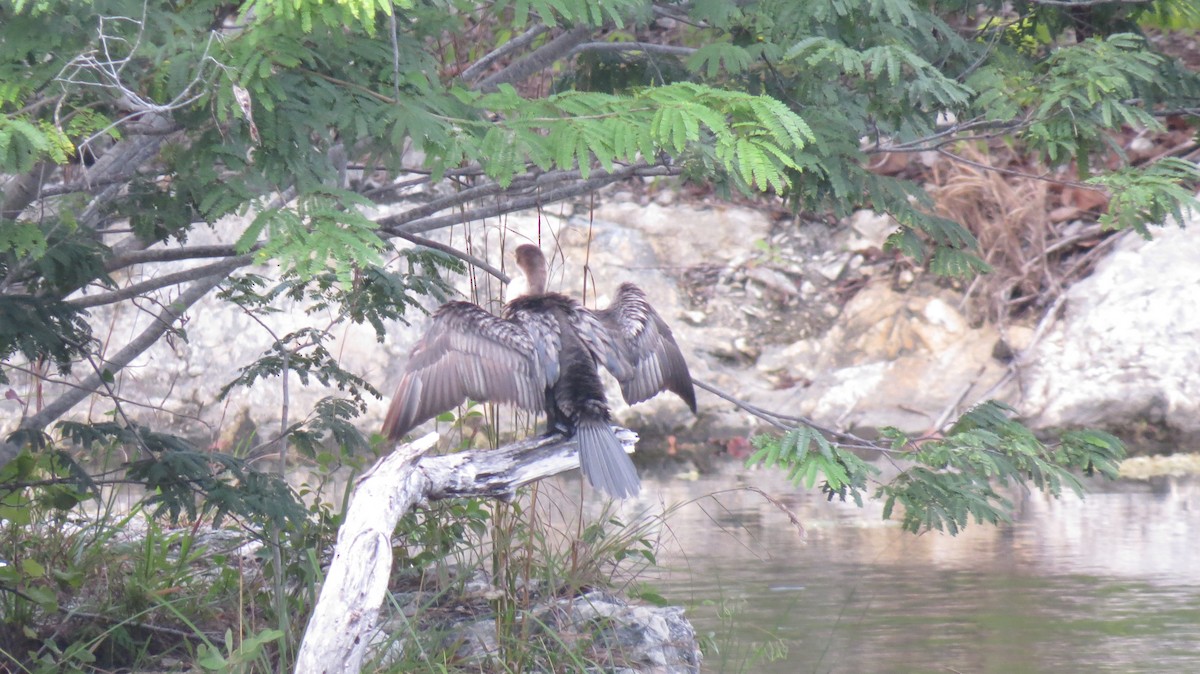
<point x="1037" y="227"/>
<point x="1037" y="233"/>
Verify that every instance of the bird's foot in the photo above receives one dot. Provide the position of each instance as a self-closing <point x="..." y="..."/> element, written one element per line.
<point x="559" y="428"/>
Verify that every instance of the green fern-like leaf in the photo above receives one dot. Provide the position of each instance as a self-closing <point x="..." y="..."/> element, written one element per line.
<point x="845" y="474"/>
<point x="1149" y="194"/>
<point x="23" y="239"/>
<point x="956" y="478"/>
<point x="955" y="262"/>
<point x="711" y="58"/>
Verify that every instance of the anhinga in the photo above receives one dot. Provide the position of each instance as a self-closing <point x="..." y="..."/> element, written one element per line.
<point x="542" y="356"/>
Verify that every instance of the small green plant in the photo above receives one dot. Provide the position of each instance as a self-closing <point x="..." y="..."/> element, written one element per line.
<point x="252" y="650"/>
<point x="729" y="650"/>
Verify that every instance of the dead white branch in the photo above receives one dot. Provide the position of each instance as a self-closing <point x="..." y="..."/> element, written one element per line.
<point x="103" y="68"/>
<point x="343" y="622"/>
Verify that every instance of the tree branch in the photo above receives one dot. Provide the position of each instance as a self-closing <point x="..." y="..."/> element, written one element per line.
<point x="648" y="47"/>
<point x="598" y="180"/>
<point x="22" y="190"/>
<point x="519" y="42"/>
<point x="523" y="182"/>
<point x="163" y="321"/>
<point x="543" y="57"/>
<point x="221" y="268"/>
<point x="451" y="250"/>
<point x="120" y="159"/>
<point x="1089" y="3"/>
<point x="167" y="255"/>
<point x="785" y="422"/>
<point x="86" y="185"/>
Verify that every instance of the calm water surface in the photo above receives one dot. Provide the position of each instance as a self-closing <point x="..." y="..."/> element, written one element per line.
<point x="1107" y="584"/>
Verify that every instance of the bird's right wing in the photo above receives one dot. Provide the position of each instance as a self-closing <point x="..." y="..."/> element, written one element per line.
<point x="466" y="353"/>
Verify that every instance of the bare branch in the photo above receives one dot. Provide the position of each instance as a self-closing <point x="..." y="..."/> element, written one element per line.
<point x="394" y="35"/>
<point x="119" y="159"/>
<point x="163" y="322"/>
<point x="647" y="47"/>
<point x="85" y="185"/>
<point x="1089" y="3"/>
<point x="222" y="268"/>
<point x="114" y="396"/>
<point x="598" y="180"/>
<point x="116" y="619"/>
<point x="949" y="135"/>
<point x="451" y="250"/>
<point x="167" y="255"/>
<point x="22" y="190"/>
<point x="1018" y="174"/>
<point x="673" y="12"/>
<point x="543" y="57"/>
<point x="519" y="42"/>
<point x="343" y="621"/>
<point x="785" y="422"/>
<point x="102" y="68"/>
<point x="528" y="181"/>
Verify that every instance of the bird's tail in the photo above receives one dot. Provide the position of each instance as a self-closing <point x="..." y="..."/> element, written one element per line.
<point x="604" y="461"/>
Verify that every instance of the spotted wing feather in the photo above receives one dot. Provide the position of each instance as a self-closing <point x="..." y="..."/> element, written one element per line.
<point x="466" y="353"/>
<point x="649" y="361"/>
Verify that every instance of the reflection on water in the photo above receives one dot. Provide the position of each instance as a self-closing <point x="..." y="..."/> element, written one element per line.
<point x="1107" y="584"/>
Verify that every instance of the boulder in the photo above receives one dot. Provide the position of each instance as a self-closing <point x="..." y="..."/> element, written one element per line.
<point x="1127" y="346"/>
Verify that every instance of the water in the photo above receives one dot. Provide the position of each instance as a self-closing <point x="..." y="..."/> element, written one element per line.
<point x="1106" y="584"/>
<point x="1110" y="583"/>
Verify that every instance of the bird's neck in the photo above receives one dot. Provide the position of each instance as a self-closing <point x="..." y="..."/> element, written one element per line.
<point x="536" y="278"/>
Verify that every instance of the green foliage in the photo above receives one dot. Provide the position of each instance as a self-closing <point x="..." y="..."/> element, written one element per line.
<point x="155" y="215"/>
<point x="68" y="264"/>
<point x="727" y="651"/>
<point x="438" y="535"/>
<point x="304" y="353"/>
<point x="1149" y="194"/>
<point x="42" y="330"/>
<point x="914" y="80"/>
<point x="710" y="59"/>
<point x="22" y="239"/>
<point x="1172" y="15"/>
<point x="956" y="477"/>
<point x="92" y="589"/>
<point x="1077" y="94"/>
<point x="783" y="97"/>
<point x="378" y="295"/>
<point x="308" y="110"/>
<point x="181" y="479"/>
<point x="325" y="229"/>
<point x="753" y="137"/>
<point x="309" y="14"/>
<point x="62" y="485"/>
<point x="331" y="421"/>
<point x="805" y="454"/>
<point x="550" y="12"/>
<point x="251" y="650"/>
<point x="24" y="143"/>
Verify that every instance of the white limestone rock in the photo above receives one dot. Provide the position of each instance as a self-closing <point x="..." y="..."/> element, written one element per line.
<point x="1128" y="345"/>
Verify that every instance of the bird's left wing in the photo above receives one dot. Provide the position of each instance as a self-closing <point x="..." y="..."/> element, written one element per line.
<point x="641" y="346"/>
